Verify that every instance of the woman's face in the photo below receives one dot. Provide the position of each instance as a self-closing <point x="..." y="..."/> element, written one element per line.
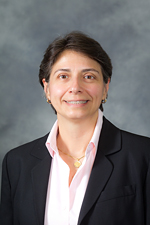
<point x="76" y="87"/>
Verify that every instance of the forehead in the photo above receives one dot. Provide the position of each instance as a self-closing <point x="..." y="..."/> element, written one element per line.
<point x="71" y="58"/>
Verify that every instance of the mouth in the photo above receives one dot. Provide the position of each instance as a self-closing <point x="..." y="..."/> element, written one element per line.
<point x="76" y="102"/>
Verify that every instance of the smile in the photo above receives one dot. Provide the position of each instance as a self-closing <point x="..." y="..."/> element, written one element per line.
<point x="76" y="102"/>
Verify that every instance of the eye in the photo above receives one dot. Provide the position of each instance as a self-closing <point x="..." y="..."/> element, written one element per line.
<point x="89" y="77"/>
<point x="63" y="76"/>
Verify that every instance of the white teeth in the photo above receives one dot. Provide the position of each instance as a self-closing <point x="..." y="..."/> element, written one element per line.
<point x="76" y="102"/>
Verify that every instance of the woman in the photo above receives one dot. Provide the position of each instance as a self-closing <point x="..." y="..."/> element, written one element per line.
<point x="85" y="171"/>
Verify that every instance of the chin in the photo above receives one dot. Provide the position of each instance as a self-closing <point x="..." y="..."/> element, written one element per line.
<point x="77" y="116"/>
<point x="72" y="115"/>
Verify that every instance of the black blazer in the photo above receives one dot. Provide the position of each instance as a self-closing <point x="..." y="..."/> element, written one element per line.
<point x="118" y="192"/>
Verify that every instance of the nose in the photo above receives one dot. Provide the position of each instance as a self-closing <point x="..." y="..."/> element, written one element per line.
<point x="75" y="86"/>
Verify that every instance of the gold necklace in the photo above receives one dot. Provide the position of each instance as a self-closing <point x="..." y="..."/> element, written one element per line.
<point x="77" y="163"/>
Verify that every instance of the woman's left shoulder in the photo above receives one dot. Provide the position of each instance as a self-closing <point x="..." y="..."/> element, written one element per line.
<point x="135" y="141"/>
<point x="136" y="137"/>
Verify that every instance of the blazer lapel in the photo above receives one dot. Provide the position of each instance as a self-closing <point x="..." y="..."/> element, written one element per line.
<point x="40" y="177"/>
<point x="109" y="142"/>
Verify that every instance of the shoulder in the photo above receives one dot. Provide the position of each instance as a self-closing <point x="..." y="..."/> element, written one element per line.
<point x="135" y="139"/>
<point x="22" y="159"/>
<point x="127" y="136"/>
<point x="128" y="142"/>
<point x="24" y="150"/>
<point x="136" y="146"/>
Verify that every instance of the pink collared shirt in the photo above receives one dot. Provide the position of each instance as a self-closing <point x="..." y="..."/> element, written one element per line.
<point x="64" y="202"/>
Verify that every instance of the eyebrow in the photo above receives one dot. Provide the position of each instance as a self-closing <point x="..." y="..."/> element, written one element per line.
<point x="65" y="70"/>
<point x="90" y="70"/>
<point x="84" y="70"/>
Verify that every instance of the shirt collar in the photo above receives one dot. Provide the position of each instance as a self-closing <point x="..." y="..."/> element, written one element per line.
<point x="95" y="138"/>
<point x="51" y="140"/>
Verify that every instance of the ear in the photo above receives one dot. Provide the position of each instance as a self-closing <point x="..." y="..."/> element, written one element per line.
<point x="106" y="88"/>
<point x="46" y="89"/>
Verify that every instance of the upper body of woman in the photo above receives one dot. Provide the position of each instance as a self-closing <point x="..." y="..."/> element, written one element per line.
<point x="85" y="171"/>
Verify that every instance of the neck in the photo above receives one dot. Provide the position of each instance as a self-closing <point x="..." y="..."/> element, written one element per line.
<point x="74" y="136"/>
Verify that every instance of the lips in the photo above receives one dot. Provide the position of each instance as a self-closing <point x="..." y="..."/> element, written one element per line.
<point x="77" y="102"/>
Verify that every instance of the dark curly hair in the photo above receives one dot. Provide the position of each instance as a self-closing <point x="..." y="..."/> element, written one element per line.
<point x="79" y="42"/>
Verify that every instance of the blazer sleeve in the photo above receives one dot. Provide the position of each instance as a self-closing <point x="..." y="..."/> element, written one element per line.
<point x="147" y="196"/>
<point x="6" y="211"/>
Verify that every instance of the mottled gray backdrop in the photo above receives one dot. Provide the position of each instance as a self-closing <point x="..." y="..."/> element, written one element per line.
<point x="26" y="29"/>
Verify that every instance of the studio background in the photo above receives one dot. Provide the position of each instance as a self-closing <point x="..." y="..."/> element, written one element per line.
<point x="26" y="29"/>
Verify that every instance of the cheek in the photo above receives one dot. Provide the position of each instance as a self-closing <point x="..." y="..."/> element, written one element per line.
<point x="55" y="91"/>
<point x="96" y="91"/>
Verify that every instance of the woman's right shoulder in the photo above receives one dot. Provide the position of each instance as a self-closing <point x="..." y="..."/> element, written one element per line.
<point x="24" y="149"/>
